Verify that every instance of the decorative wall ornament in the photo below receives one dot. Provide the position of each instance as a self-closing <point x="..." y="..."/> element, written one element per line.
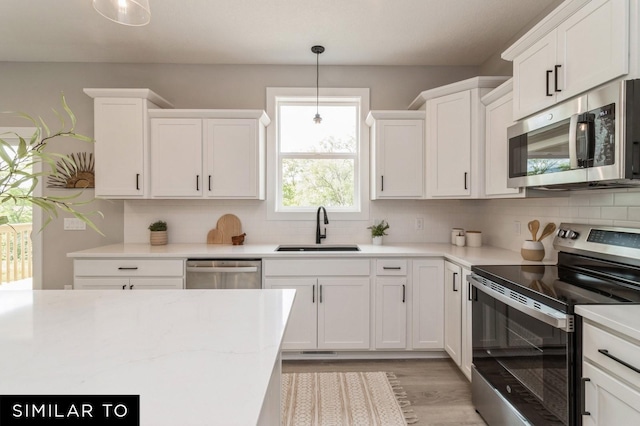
<point x="77" y="173"/>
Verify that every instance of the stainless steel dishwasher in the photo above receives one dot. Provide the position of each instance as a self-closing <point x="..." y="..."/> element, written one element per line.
<point x="224" y="274"/>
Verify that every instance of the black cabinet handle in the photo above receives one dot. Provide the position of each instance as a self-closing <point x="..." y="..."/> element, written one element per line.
<point x="197" y="182"/>
<point x="209" y="182"/>
<point x="137" y="181"/>
<point x="548" y="74"/>
<point x="313" y="294"/>
<point x="455" y="275"/>
<point x="127" y="268"/>
<point x="583" y="396"/>
<point x="395" y="268"/>
<point x="131" y="287"/>
<point x="124" y="286"/>
<point x="381" y="183"/>
<point x="618" y="360"/>
<point x="320" y="293"/>
<point x="404" y="293"/>
<point x="555" y="77"/>
<point x="465" y="180"/>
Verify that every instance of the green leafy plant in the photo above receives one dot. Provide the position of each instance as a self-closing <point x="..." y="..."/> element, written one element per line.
<point x="158" y="225"/>
<point x="378" y="230"/>
<point x="17" y="178"/>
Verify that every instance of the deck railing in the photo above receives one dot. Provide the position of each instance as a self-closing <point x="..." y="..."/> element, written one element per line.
<point x="15" y="243"/>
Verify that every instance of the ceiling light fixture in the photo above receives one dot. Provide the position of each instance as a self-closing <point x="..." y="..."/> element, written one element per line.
<point x="126" y="12"/>
<point x="317" y="50"/>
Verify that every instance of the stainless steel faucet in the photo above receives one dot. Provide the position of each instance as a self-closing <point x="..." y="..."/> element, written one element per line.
<point x="320" y="236"/>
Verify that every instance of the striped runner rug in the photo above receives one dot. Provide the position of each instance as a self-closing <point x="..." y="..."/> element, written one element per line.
<point x="344" y="399"/>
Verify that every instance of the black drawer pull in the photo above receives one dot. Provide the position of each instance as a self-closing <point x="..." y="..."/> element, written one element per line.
<point x="127" y="268"/>
<point x="394" y="268"/>
<point x="616" y="359"/>
<point x="583" y="396"/>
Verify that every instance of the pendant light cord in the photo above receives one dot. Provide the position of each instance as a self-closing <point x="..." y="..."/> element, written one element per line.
<point x="317" y="80"/>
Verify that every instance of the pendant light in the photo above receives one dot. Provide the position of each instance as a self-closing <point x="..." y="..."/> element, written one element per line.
<point x="317" y="50"/>
<point x="126" y="12"/>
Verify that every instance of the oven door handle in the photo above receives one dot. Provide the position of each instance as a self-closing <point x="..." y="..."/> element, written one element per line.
<point x="229" y="269"/>
<point x="561" y="322"/>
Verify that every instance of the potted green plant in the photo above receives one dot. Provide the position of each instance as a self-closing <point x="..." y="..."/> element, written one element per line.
<point x="158" y="234"/>
<point x="377" y="231"/>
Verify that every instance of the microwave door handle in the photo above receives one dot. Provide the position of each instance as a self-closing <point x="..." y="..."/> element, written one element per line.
<point x="573" y="142"/>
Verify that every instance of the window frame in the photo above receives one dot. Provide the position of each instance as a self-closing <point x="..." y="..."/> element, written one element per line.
<point x="275" y="95"/>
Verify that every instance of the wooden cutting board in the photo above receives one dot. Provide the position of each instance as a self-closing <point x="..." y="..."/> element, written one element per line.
<point x="228" y="226"/>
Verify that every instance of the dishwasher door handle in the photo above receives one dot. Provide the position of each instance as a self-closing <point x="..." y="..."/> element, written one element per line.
<point x="232" y="270"/>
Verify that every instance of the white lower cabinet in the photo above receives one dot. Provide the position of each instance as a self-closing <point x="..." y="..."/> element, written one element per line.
<point x="329" y="312"/>
<point x="427" y="302"/>
<point x="610" y="393"/>
<point x="391" y="299"/>
<point x="453" y="311"/>
<point x="128" y="274"/>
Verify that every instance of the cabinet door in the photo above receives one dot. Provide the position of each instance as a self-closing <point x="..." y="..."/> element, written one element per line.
<point x="427" y="295"/>
<point x="176" y="157"/>
<point x="533" y="77"/>
<point x="101" y="283"/>
<point x="608" y="400"/>
<point x="233" y="160"/>
<point x="343" y="313"/>
<point x="156" y="284"/>
<point x="119" y="131"/>
<point x="466" y="352"/>
<point x="399" y="158"/>
<point x="499" y="116"/>
<point x="391" y="313"/>
<point x="593" y="46"/>
<point x="302" y="326"/>
<point x="453" y="311"/>
<point x="449" y="145"/>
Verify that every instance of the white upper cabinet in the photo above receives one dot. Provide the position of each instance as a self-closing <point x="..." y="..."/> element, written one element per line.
<point x="498" y="118"/>
<point x="121" y="132"/>
<point x="579" y="46"/>
<point x="397" y="154"/>
<point x="454" y="137"/>
<point x="208" y="153"/>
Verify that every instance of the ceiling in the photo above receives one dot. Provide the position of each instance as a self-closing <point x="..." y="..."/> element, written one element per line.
<point x="354" y="32"/>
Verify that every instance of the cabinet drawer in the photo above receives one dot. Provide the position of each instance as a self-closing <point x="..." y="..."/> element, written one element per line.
<point x="128" y="268"/>
<point x="391" y="267"/>
<point x="316" y="267"/>
<point x="596" y="339"/>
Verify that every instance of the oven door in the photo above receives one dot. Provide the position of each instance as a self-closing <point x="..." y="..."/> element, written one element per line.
<point x="524" y="357"/>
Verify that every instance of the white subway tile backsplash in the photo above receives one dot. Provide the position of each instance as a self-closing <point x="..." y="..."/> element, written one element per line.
<point x="589" y="212"/>
<point x="614" y="213"/>
<point x="600" y="199"/>
<point x="630" y="198"/>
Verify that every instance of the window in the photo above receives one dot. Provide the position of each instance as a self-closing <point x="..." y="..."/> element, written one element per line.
<point x="322" y="164"/>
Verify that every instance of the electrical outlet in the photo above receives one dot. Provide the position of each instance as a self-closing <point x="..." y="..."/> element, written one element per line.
<point x="74" y="224"/>
<point x="516" y="227"/>
<point x="419" y="223"/>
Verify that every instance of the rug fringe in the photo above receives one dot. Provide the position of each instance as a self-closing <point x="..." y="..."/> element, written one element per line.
<point x="401" y="396"/>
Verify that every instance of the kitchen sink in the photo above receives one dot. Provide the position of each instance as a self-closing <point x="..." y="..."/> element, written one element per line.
<point x="318" y="247"/>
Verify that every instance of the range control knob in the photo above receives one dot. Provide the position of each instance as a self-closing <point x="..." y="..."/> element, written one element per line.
<point x="573" y="235"/>
<point x="562" y="233"/>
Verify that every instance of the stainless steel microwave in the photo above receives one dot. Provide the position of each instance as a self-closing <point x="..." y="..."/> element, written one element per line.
<point x="590" y="141"/>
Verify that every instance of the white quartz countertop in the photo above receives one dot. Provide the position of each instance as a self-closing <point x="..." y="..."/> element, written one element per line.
<point x="465" y="256"/>
<point x="622" y="319"/>
<point x="195" y="357"/>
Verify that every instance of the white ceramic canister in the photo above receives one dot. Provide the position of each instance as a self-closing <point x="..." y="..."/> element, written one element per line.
<point x="474" y="238"/>
<point x="460" y="240"/>
<point x="454" y="233"/>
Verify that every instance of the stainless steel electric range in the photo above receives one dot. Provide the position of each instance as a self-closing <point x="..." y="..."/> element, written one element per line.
<point x="526" y="340"/>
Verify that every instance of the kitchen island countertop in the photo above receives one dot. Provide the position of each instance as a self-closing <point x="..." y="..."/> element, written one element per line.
<point x="465" y="256"/>
<point x="194" y="357"/>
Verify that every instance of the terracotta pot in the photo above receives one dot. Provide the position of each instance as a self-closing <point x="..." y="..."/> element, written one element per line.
<point x="158" y="238"/>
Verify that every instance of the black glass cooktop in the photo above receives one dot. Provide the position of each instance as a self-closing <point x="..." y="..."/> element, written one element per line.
<point x="564" y="285"/>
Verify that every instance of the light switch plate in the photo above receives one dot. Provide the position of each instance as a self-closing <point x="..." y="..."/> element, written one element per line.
<point x="74" y="224"/>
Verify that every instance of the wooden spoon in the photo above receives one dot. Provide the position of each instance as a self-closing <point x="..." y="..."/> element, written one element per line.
<point x="548" y="230"/>
<point x="534" y="225"/>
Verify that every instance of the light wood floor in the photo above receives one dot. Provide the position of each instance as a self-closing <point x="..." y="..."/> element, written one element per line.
<point x="439" y="393"/>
